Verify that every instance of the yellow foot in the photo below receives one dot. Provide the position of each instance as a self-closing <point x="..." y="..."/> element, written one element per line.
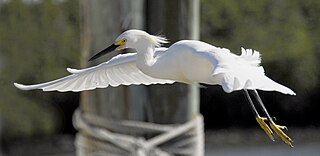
<point x="265" y="126"/>
<point x="278" y="130"/>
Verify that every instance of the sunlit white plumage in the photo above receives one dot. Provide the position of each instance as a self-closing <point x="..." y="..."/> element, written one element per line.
<point x="186" y="61"/>
<point x="120" y="70"/>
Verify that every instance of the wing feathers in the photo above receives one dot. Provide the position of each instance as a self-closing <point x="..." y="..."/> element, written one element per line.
<point x="120" y="70"/>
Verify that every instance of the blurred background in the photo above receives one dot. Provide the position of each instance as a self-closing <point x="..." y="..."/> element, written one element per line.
<point x="39" y="39"/>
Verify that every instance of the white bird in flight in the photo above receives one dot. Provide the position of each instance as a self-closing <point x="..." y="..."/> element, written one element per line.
<point x="186" y="61"/>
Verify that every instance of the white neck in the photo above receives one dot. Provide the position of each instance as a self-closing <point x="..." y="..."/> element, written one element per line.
<point x="145" y="56"/>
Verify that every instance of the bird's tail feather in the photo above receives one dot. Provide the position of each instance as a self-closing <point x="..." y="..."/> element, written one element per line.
<point x="234" y="80"/>
<point x="270" y="85"/>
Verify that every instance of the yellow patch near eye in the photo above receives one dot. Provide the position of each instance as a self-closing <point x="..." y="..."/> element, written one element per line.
<point x="121" y="42"/>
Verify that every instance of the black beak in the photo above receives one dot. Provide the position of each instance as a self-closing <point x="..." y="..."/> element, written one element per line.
<point x="104" y="51"/>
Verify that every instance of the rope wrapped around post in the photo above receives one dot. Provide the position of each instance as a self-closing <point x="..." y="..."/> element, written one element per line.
<point x="100" y="136"/>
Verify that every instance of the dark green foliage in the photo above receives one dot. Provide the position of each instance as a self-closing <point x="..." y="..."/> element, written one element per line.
<point x="37" y="42"/>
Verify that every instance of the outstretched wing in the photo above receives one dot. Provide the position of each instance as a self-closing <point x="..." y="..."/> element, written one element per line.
<point x="120" y="70"/>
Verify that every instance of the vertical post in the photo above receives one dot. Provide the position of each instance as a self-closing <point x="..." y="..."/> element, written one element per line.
<point x="177" y="103"/>
<point x="178" y="19"/>
<point x="101" y="22"/>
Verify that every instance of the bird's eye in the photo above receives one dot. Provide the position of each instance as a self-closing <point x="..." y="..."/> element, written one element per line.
<point x="124" y="40"/>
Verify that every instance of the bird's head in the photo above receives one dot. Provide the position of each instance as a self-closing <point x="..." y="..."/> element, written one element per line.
<point x="131" y="39"/>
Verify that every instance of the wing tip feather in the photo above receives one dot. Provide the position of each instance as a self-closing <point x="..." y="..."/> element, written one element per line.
<point x="20" y="86"/>
<point x="73" y="71"/>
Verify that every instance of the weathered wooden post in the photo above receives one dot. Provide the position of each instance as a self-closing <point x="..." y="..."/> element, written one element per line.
<point x="101" y="22"/>
<point x="177" y="19"/>
<point x="177" y="103"/>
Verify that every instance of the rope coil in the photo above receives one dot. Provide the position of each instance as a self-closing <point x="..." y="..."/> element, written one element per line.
<point x="100" y="136"/>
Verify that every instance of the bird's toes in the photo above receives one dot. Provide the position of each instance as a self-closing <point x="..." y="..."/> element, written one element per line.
<point x="262" y="122"/>
<point x="284" y="137"/>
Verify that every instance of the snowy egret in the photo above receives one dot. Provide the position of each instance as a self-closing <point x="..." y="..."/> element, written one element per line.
<point x="186" y="61"/>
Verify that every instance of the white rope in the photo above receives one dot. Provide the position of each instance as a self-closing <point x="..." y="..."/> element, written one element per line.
<point x="99" y="137"/>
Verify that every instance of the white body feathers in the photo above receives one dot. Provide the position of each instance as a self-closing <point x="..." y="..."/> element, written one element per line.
<point x="185" y="61"/>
